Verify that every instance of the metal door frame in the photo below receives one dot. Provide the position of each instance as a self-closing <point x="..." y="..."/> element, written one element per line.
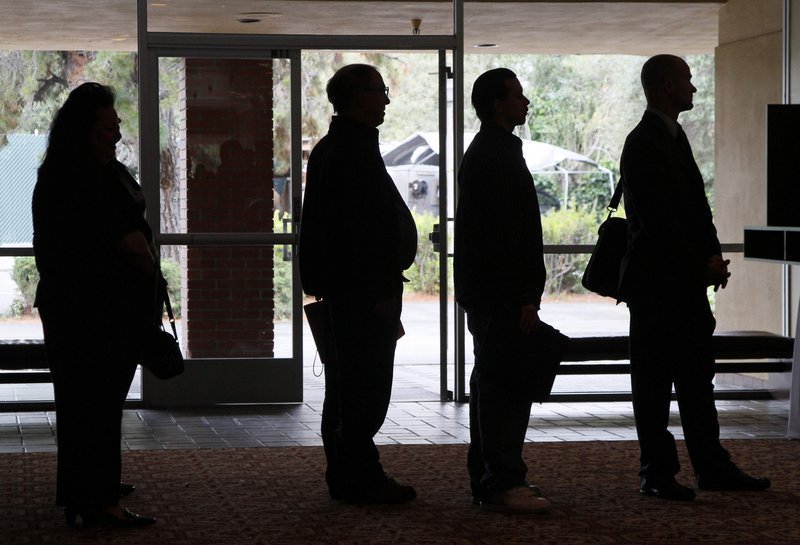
<point x="152" y="45"/>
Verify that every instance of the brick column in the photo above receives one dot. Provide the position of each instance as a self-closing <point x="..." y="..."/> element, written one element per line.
<point x="229" y="303"/>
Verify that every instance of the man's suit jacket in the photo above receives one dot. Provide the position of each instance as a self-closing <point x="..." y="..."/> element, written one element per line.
<point x="671" y="231"/>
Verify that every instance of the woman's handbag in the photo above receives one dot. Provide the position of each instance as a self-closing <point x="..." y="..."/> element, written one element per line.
<point x="602" y="272"/>
<point x="162" y="353"/>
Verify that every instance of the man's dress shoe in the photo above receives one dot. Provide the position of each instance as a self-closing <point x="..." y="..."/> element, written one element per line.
<point x="732" y="479"/>
<point x="667" y="490"/>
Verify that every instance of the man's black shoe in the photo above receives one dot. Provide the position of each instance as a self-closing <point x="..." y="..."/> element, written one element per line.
<point x="670" y="490"/>
<point x="335" y="493"/>
<point x="388" y="493"/>
<point x="732" y="479"/>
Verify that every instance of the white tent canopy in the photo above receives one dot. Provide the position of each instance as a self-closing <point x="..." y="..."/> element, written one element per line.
<point x="541" y="158"/>
<point x="538" y="155"/>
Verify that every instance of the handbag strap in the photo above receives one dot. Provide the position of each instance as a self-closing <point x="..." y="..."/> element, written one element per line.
<point x="162" y="296"/>
<point x="612" y="206"/>
<point x="170" y="316"/>
<point x="615" y="198"/>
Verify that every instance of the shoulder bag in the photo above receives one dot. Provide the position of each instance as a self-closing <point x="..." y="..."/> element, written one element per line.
<point x="602" y="272"/>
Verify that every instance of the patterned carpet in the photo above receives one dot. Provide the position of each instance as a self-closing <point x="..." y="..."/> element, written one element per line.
<point x="276" y="496"/>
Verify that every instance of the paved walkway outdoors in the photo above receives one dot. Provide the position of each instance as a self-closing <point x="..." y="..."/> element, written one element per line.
<point x="416" y="415"/>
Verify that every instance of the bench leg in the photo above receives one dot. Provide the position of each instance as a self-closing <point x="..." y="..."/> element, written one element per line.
<point x="794" y="395"/>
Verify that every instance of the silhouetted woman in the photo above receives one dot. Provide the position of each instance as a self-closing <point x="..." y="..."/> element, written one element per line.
<point x="95" y="298"/>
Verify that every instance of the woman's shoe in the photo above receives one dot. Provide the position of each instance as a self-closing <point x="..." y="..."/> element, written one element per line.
<point x="126" y="489"/>
<point x="129" y="519"/>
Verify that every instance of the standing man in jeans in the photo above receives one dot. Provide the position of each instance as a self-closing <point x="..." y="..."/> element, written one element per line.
<point x="673" y="256"/>
<point x="356" y="238"/>
<point x="499" y="281"/>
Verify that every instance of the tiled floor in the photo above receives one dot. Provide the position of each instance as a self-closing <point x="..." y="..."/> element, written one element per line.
<point x="407" y="423"/>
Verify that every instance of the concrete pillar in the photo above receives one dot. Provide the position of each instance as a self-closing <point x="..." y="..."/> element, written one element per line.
<point x="748" y="77"/>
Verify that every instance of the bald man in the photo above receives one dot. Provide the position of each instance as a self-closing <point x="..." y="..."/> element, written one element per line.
<point x="673" y="256"/>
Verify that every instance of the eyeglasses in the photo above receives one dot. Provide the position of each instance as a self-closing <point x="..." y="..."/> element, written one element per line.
<point x="384" y="90"/>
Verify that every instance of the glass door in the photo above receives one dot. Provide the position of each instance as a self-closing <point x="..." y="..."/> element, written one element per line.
<point x="415" y="142"/>
<point x="234" y="127"/>
<point x="221" y="203"/>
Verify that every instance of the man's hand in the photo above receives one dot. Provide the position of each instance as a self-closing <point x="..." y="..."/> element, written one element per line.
<point x="717" y="272"/>
<point x="529" y="319"/>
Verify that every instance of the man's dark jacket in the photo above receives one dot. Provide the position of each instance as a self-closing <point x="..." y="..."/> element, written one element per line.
<point x="671" y="231"/>
<point x="498" y="232"/>
<point x="356" y="235"/>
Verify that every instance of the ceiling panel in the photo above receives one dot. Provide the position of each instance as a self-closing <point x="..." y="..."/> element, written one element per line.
<point x="622" y="27"/>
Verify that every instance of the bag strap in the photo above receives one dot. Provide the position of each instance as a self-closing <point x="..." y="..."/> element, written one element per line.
<point x="170" y="316"/>
<point x="162" y="298"/>
<point x="614" y="203"/>
<point x="612" y="206"/>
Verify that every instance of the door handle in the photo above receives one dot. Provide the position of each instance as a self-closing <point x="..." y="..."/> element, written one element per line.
<point x="434" y="237"/>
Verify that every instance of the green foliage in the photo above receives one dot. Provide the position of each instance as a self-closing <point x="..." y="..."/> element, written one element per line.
<point x="172" y="274"/>
<point x="423" y="275"/>
<point x="282" y="279"/>
<point x="413" y="92"/>
<point x="584" y="103"/>
<point x="31" y="87"/>
<point x="119" y="71"/>
<point x="571" y="226"/>
<point x="282" y="275"/>
<point x="26" y="276"/>
<point x="36" y="83"/>
<point x="589" y="104"/>
<point x="699" y="122"/>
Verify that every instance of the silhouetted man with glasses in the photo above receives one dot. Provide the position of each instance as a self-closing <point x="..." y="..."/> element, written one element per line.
<point x="357" y="237"/>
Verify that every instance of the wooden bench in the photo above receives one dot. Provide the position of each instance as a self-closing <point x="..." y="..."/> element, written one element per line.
<point x="735" y="352"/>
<point x="23" y="361"/>
<point x="26" y="358"/>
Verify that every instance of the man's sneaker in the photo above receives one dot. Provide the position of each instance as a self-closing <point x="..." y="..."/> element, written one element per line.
<point x="535" y="490"/>
<point x="520" y="499"/>
<point x="388" y="493"/>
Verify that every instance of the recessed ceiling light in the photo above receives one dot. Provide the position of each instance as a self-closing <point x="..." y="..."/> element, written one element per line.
<point x="121" y="38"/>
<point x="485" y="45"/>
<point x="248" y="20"/>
